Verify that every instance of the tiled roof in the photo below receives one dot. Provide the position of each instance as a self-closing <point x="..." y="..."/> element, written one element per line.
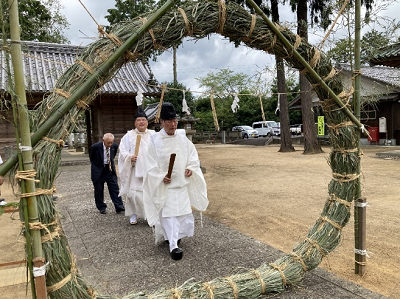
<point x="151" y="111"/>
<point x="44" y="63"/>
<point x="384" y="74"/>
<point x="388" y="56"/>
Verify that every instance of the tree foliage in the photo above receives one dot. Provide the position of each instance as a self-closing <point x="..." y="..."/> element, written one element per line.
<point x="342" y="52"/>
<point x="225" y="84"/>
<point x="175" y="97"/>
<point x="39" y="21"/>
<point x="125" y="10"/>
<point x="320" y="11"/>
<point x="128" y="9"/>
<point x="225" y="81"/>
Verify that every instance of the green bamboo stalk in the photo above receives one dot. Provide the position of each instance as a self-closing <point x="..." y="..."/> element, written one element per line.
<point x="26" y="147"/>
<point x="24" y="208"/>
<point x="23" y="202"/>
<point x="299" y="58"/>
<point x="87" y="85"/>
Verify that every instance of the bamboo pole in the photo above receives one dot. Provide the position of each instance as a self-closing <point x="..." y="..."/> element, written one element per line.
<point x="312" y="72"/>
<point x="88" y="84"/>
<point x="23" y="201"/>
<point x="25" y="141"/>
<point x="24" y="207"/>
<point x="359" y="207"/>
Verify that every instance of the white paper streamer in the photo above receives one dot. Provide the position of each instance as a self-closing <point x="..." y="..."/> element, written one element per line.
<point x="278" y="106"/>
<point x="235" y="104"/>
<point x="185" y="107"/>
<point x="139" y="97"/>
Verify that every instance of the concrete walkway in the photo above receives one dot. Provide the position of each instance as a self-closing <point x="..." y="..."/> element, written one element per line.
<point x="118" y="258"/>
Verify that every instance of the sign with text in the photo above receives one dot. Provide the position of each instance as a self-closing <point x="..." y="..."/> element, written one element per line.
<point x="321" y="126"/>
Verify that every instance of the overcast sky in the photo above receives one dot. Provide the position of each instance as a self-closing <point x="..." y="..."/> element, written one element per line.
<point x="194" y="59"/>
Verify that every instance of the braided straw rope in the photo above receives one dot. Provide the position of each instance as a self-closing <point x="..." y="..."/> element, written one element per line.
<point x="187" y="23"/>
<point x="85" y="66"/>
<point x="258" y="276"/>
<point x="253" y="24"/>
<point x="334" y="198"/>
<point x="209" y="289"/>
<point x="222" y="16"/>
<point x="233" y="285"/>
<point x="157" y="119"/>
<point x="331" y="222"/>
<point x="66" y="279"/>
<point x="27" y="175"/>
<point x="316" y="245"/>
<point x="60" y="143"/>
<point x="214" y="112"/>
<point x="62" y="93"/>
<point x="280" y="269"/>
<point x="298" y="258"/>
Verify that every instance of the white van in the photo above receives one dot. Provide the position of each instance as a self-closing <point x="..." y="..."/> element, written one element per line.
<point x="267" y="128"/>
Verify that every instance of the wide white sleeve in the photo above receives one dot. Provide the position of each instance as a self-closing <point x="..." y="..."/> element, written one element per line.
<point x="154" y="189"/>
<point x="197" y="187"/>
<point x="124" y="164"/>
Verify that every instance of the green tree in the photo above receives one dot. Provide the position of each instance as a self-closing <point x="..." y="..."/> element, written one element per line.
<point x="370" y="43"/>
<point x="286" y="140"/>
<point x="128" y="9"/>
<point x="316" y="8"/>
<point x="225" y="84"/>
<point x="293" y="88"/>
<point x="174" y="95"/>
<point x="225" y="81"/>
<point x="39" y="20"/>
<point x="342" y="52"/>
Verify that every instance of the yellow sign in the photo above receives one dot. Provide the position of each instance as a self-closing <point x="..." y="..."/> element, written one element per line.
<point x="321" y="126"/>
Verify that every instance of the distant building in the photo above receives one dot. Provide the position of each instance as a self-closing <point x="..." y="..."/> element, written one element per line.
<point x="379" y="95"/>
<point x="111" y="111"/>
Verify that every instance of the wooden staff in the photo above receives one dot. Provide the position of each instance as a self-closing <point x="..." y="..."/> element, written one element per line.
<point x="171" y="165"/>
<point x="138" y="139"/>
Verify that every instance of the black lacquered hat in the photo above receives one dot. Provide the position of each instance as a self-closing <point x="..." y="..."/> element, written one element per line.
<point x="167" y="111"/>
<point x="140" y="113"/>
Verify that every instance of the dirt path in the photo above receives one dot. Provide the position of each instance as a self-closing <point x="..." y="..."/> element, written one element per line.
<point x="276" y="197"/>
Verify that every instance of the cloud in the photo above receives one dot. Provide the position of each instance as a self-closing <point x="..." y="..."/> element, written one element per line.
<point x="83" y="29"/>
<point x="195" y="58"/>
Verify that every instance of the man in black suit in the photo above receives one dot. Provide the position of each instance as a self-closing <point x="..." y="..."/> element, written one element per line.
<point x="102" y="156"/>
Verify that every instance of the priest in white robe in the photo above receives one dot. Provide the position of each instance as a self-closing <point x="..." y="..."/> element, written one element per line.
<point x="132" y="150"/>
<point x="169" y="200"/>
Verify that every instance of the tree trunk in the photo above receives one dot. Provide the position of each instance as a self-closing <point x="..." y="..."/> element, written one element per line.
<point x="286" y="137"/>
<point x="174" y="65"/>
<point x="311" y="145"/>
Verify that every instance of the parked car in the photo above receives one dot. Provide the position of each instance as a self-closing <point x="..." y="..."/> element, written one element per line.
<point x="247" y="131"/>
<point x="296" y="129"/>
<point x="267" y="128"/>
